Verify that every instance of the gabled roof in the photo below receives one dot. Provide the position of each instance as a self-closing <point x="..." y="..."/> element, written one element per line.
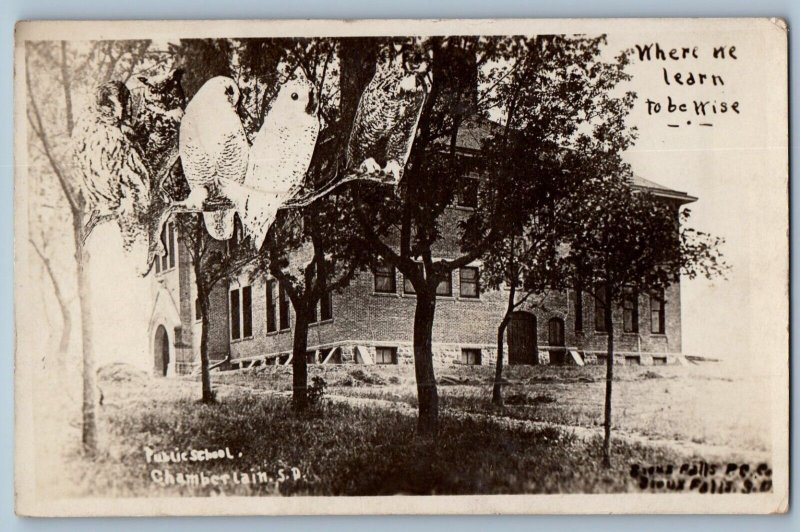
<point x="661" y="191"/>
<point x="474" y="130"/>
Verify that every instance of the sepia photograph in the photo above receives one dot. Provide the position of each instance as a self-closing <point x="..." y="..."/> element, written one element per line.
<point x="410" y="266"/>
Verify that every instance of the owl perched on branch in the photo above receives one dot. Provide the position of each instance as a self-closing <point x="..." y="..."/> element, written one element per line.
<point x="386" y="118"/>
<point x="158" y="103"/>
<point x="279" y="158"/>
<point x="115" y="180"/>
<point x="213" y="146"/>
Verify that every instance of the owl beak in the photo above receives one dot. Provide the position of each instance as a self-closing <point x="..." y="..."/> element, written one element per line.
<point x="311" y="108"/>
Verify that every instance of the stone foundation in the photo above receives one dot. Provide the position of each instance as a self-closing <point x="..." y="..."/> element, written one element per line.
<point x="450" y="355"/>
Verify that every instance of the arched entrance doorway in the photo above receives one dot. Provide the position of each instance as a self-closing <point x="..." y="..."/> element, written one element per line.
<point x="161" y="352"/>
<point x="555" y="339"/>
<point x="522" y="344"/>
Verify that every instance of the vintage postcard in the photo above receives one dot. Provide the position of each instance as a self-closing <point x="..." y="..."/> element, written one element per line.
<point x="401" y="266"/>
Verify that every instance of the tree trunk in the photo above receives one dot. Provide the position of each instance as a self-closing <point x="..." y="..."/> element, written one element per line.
<point x="427" y="396"/>
<point x="205" y="374"/>
<point x="89" y="425"/>
<point x="609" y="380"/>
<point x="299" y="362"/>
<point x="497" y="390"/>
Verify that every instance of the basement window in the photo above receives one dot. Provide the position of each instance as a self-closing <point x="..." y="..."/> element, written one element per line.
<point x="385" y="355"/>
<point x="471" y="357"/>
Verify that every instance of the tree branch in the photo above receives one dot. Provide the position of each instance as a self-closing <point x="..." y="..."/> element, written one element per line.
<point x="38" y="129"/>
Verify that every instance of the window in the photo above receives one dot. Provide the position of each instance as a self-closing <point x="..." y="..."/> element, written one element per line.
<point x="555" y="332"/>
<point x="326" y="307"/>
<point x="469" y="282"/>
<point x="271" y="326"/>
<point x="578" y="310"/>
<point x="241" y="309"/>
<point x="630" y="311"/>
<point x="467" y="195"/>
<point x="236" y="332"/>
<point x="385" y="279"/>
<point x="657" y="313"/>
<point x="171" y="240"/>
<point x="197" y="313"/>
<point x="247" y="312"/>
<point x="600" y="309"/>
<point x="445" y="287"/>
<point x="232" y="244"/>
<point x="283" y="307"/>
<point x="408" y="288"/>
<point x="471" y="357"/>
<point x="167" y="261"/>
<point x="385" y="355"/>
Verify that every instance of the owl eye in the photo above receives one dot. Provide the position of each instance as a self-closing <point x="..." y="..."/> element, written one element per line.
<point x="295" y="96"/>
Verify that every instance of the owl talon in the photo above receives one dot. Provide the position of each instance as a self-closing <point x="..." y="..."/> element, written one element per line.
<point x="195" y="199"/>
<point x="370" y="166"/>
<point x="394" y="168"/>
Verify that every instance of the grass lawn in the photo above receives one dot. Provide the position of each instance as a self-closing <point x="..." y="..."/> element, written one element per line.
<point x="339" y="450"/>
<point x="703" y="404"/>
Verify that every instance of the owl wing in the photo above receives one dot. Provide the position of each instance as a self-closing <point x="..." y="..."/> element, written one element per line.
<point x="197" y="156"/>
<point x="402" y="136"/>
<point x="135" y="213"/>
<point x="231" y="162"/>
<point x="375" y="117"/>
<point x="94" y="146"/>
<point x="231" y="165"/>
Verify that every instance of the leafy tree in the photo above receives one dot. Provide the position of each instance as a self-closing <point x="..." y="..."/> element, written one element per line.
<point x="548" y="92"/>
<point x="310" y="249"/>
<point x="525" y="265"/>
<point x="212" y="262"/>
<point x="622" y="242"/>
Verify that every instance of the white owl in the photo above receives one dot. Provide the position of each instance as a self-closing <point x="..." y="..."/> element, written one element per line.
<point x="213" y="146"/>
<point x="114" y="178"/>
<point x="278" y="160"/>
<point x="386" y="118"/>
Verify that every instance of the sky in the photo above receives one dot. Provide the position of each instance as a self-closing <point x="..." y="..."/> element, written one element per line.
<point x="737" y="168"/>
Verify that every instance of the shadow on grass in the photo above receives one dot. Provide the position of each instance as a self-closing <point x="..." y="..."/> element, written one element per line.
<point x="338" y="450"/>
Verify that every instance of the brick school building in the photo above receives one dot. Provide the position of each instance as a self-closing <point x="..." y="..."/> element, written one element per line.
<point x="371" y="321"/>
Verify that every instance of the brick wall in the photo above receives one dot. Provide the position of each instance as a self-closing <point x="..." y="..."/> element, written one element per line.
<point x="362" y="317"/>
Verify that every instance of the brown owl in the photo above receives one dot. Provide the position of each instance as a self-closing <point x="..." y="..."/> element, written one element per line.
<point x="386" y="118"/>
<point x="158" y="103"/>
<point x="113" y="175"/>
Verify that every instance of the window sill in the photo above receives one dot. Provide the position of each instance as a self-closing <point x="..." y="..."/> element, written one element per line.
<point x="244" y="339"/>
<point x="470" y="299"/>
<point x="438" y="297"/>
<point x="322" y="322"/>
<point x="658" y="335"/>
<point x="386" y="294"/>
<point x="463" y="208"/>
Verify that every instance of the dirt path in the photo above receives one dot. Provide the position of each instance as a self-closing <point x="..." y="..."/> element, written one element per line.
<point x="706" y="451"/>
